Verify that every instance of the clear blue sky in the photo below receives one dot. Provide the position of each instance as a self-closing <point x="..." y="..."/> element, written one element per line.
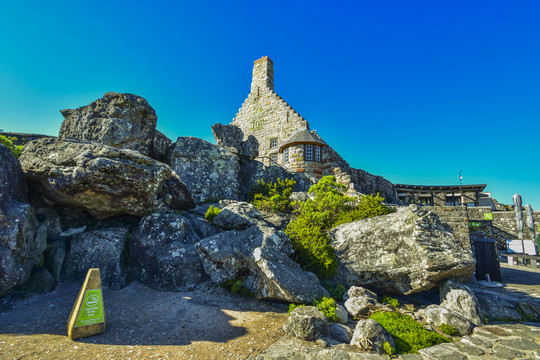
<point x="411" y="90"/>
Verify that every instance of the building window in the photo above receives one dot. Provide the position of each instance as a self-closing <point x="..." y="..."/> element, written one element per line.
<point x="273" y="143"/>
<point x="309" y="152"/>
<point x="286" y="155"/>
<point x="317" y="153"/>
<point x="274" y="159"/>
<point x="453" y="201"/>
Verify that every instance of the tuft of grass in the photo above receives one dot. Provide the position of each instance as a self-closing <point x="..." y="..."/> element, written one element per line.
<point x="336" y="292"/>
<point x="388" y="349"/>
<point x="293" y="306"/>
<point x="408" y="334"/>
<point x="390" y="301"/>
<point x="448" y="330"/>
<point x="211" y="213"/>
<point x="327" y="306"/>
<point x="237" y="287"/>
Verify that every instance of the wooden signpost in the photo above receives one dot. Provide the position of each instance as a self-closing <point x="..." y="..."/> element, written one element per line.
<point x="87" y="317"/>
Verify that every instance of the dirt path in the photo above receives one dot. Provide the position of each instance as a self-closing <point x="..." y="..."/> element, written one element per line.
<point x="143" y="323"/>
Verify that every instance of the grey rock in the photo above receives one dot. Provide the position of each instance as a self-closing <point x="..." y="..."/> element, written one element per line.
<point x="501" y="351"/>
<point x="228" y="135"/>
<point x="358" y="292"/>
<point x="238" y="216"/>
<point x="103" y="180"/>
<point x="174" y="194"/>
<point x="259" y="256"/>
<point x="370" y="336"/>
<point x="401" y="252"/>
<point x="22" y="238"/>
<point x="341" y="333"/>
<point x="40" y="281"/>
<point x="307" y="323"/>
<point x="440" y="352"/>
<point x="361" y="306"/>
<point x="495" y="308"/>
<point x="54" y="256"/>
<point x="437" y="315"/>
<point x="160" y="146"/>
<point x="72" y="231"/>
<point x="458" y="297"/>
<point x="209" y="171"/>
<point x="162" y="253"/>
<point x="249" y="148"/>
<point x="202" y="228"/>
<point x="299" y="196"/>
<point x="342" y="314"/>
<point x="124" y="121"/>
<point x="530" y="310"/>
<point x="104" y="249"/>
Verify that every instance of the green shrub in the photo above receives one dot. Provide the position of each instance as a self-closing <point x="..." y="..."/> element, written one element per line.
<point x="336" y="292"/>
<point x="270" y="196"/>
<point x="390" y="301"/>
<point x="237" y="287"/>
<point x="448" y="330"/>
<point x="211" y="213"/>
<point x="388" y="349"/>
<point x="330" y="205"/>
<point x="16" y="150"/>
<point x="293" y="306"/>
<point x="408" y="334"/>
<point x="328" y="307"/>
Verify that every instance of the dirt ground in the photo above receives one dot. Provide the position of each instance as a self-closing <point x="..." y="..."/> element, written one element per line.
<point x="142" y="323"/>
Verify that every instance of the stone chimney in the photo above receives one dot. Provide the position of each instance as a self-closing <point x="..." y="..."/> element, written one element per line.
<point x="263" y="74"/>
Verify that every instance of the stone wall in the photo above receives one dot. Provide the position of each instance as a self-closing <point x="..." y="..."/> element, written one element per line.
<point x="265" y="115"/>
<point x="456" y="217"/>
<point x="504" y="222"/>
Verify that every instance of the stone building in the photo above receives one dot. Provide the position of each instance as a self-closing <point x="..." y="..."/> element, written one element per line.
<point x="286" y="140"/>
<point x="443" y="195"/>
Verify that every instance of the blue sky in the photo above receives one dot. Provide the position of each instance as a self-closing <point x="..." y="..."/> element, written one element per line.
<point x="414" y="91"/>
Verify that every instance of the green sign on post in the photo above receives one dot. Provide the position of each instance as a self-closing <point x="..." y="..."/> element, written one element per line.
<point x="488" y="216"/>
<point x="91" y="309"/>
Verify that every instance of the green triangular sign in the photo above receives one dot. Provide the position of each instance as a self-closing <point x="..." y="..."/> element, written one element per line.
<point x="91" y="309"/>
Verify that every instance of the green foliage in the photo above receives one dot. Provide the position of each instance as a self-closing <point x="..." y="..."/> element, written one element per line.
<point x="328" y="307"/>
<point x="388" y="349"/>
<point x="330" y="205"/>
<point x="448" y="330"/>
<point x="293" y="306"/>
<point x="16" y="150"/>
<point x="270" y="196"/>
<point x="336" y="292"/>
<point x="408" y="334"/>
<point x="390" y="301"/>
<point x="211" y="213"/>
<point x="526" y="317"/>
<point x="237" y="287"/>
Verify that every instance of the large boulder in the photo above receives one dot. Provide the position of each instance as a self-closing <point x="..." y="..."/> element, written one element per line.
<point x="210" y="172"/>
<point x="231" y="136"/>
<point x="460" y="298"/>
<point x="307" y="323"/>
<point x="104" y="249"/>
<point x="162" y="253"/>
<point x="259" y="256"/>
<point x="437" y="315"/>
<point x="103" y="180"/>
<point x="22" y="238"/>
<point x="124" y="121"/>
<point x="238" y="216"/>
<point x="403" y="252"/>
<point x="370" y="336"/>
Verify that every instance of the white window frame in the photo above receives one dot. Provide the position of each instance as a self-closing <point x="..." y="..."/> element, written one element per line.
<point x="274" y="158"/>
<point x="273" y="143"/>
<point x="286" y="155"/>
<point x="317" y="153"/>
<point x="309" y="153"/>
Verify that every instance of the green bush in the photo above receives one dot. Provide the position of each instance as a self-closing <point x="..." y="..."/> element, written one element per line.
<point x="388" y="349"/>
<point x="408" y="334"/>
<point x="16" y="150"/>
<point x="211" y="213"/>
<point x="390" y="301"/>
<point x="270" y="196"/>
<point x="328" y="307"/>
<point x="237" y="287"/>
<point x="448" y="330"/>
<point x="329" y="206"/>
<point x="293" y="306"/>
<point x="336" y="292"/>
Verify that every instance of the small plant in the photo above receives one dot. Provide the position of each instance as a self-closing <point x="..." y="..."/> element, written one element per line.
<point x="211" y="213"/>
<point x="16" y="150"/>
<point x="270" y="196"/>
<point x="388" y="349"/>
<point x="293" y="306"/>
<point x="336" y="292"/>
<point x="390" y="301"/>
<point x="448" y="330"/>
<point x="408" y="334"/>
<point x="526" y="317"/>
<point x="237" y="287"/>
<point x="328" y="307"/>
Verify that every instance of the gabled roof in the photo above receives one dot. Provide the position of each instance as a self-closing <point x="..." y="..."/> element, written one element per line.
<point x="302" y="137"/>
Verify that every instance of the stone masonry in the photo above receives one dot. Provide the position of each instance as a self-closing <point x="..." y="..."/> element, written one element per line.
<point x="270" y="119"/>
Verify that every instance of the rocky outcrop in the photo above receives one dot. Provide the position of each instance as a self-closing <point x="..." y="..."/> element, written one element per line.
<point x="103" y="180"/>
<point x="160" y="146"/>
<point x="238" y="216"/>
<point x="104" y="249"/>
<point x="307" y="323"/>
<point x="370" y="336"/>
<point x="124" y="121"/>
<point x="22" y="238"/>
<point x="405" y="252"/>
<point x="360" y="302"/>
<point x="232" y="137"/>
<point x="209" y="171"/>
<point x="437" y="315"/>
<point x="259" y="256"/>
<point x="162" y="253"/>
<point x="458" y="297"/>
